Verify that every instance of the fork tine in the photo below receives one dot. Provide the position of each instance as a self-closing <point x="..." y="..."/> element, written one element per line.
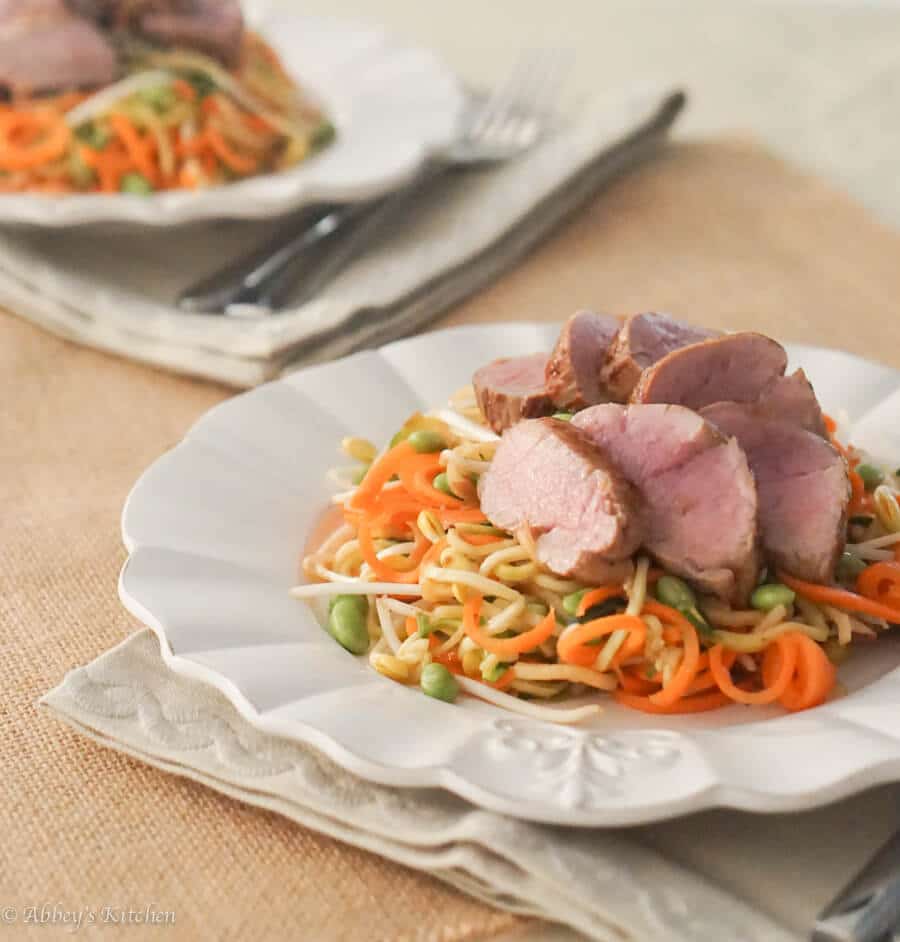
<point x="501" y="99"/>
<point x="521" y="122"/>
<point x="516" y="91"/>
<point x="530" y="110"/>
<point x="556" y="67"/>
<point x="541" y="67"/>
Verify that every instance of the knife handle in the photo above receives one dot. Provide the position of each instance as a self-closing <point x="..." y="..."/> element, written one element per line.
<point x="238" y="281"/>
<point x="312" y="256"/>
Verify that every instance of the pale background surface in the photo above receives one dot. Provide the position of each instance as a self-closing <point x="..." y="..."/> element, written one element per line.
<point x="818" y="80"/>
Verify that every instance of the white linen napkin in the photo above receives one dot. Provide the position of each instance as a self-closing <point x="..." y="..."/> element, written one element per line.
<point x="721" y="875"/>
<point x="116" y="289"/>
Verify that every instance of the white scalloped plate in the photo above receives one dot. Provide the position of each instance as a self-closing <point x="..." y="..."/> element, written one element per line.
<point x="393" y="106"/>
<point x="215" y="529"/>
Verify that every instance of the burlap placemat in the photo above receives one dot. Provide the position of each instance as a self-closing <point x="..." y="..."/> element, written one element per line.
<point x="719" y="231"/>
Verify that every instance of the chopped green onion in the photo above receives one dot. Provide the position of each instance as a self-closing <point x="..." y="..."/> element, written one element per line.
<point x="493" y="674"/>
<point x="571" y="602"/>
<point x="425" y="626"/>
<point x="93" y="135"/>
<point x="563" y="416"/>
<point x="202" y="83"/>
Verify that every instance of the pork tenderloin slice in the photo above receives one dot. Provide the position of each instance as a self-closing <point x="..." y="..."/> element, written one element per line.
<point x="548" y="477"/>
<point x="803" y="486"/>
<point x="573" y="370"/>
<point x="511" y="389"/>
<point x="45" y="47"/>
<point x="212" y="26"/>
<point x="792" y="399"/>
<point x="699" y="497"/>
<point x="642" y="340"/>
<point x="733" y="368"/>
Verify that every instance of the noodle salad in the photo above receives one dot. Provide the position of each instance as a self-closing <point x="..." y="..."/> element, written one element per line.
<point x="434" y="595"/>
<point x="177" y="120"/>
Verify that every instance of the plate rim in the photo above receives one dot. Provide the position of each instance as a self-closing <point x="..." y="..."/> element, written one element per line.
<point x="247" y="200"/>
<point x="716" y="794"/>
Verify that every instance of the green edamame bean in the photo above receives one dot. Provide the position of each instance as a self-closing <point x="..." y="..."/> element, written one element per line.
<point x="769" y="596"/>
<point x="676" y="593"/>
<point x="425" y="441"/>
<point x="442" y="484"/>
<point x="360" y="602"/>
<point x="849" y="567"/>
<point x="93" y="135"/>
<point x="439" y="683"/>
<point x="347" y="625"/>
<point x="871" y="476"/>
<point x="571" y="602"/>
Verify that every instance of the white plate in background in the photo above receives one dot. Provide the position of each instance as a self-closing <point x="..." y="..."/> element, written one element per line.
<point x="393" y="105"/>
<point x="216" y="528"/>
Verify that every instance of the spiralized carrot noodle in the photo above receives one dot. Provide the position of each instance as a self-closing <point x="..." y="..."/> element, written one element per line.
<point x="687" y="669"/>
<point x="444" y="584"/>
<point x="505" y="647"/>
<point x="840" y="598"/>
<point x="574" y="648"/>
<point x="177" y="119"/>
<point x="702" y="703"/>
<point x="814" y="676"/>
<point x="597" y="596"/>
<point x="779" y="677"/>
<point x="881" y="583"/>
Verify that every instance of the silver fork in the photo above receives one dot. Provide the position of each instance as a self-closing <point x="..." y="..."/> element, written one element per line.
<point x="493" y="129"/>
